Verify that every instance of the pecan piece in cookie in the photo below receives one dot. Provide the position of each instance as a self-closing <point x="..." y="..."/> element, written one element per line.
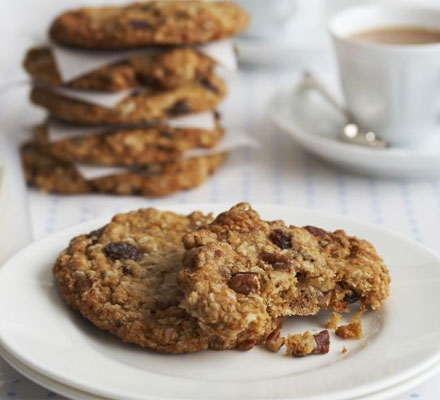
<point x="244" y="283"/>
<point x="279" y="262"/>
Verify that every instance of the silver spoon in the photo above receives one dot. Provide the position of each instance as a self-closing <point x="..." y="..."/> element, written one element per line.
<point x="351" y="132"/>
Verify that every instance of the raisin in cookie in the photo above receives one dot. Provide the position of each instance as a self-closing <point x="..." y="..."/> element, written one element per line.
<point x="167" y="69"/>
<point x="148" y="23"/>
<point x="122" y="278"/>
<point x="49" y="174"/>
<point x="139" y="107"/>
<point x="129" y="146"/>
<point x="242" y="271"/>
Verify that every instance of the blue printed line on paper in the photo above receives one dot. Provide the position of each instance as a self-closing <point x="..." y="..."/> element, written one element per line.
<point x="375" y="201"/>
<point x="342" y="192"/>
<point x="278" y="184"/>
<point x="409" y="211"/>
<point x="309" y="181"/>
<point x="52" y="215"/>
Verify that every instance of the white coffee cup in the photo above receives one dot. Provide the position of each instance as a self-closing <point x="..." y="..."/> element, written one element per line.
<point x="270" y="18"/>
<point x="393" y="90"/>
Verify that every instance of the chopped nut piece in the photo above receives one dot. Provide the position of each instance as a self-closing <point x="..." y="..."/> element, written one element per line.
<point x="315" y="231"/>
<point x="274" y="341"/>
<point x="334" y="321"/>
<point x="244" y="283"/>
<point x="322" y="342"/>
<point x="300" y="345"/>
<point x="246" y="345"/>
<point x="353" y="330"/>
<point x="278" y="261"/>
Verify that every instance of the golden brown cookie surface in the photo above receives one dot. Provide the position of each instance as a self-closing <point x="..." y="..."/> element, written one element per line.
<point x="49" y="174"/>
<point x="165" y="69"/>
<point x="149" y="23"/>
<point x="242" y="272"/>
<point x="129" y="146"/>
<point x="122" y="278"/>
<point x="143" y="106"/>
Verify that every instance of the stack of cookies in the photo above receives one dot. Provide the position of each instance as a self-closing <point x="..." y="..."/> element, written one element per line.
<point x="180" y="284"/>
<point x="131" y="95"/>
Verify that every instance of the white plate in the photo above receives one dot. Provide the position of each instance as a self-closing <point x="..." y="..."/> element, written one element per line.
<point x="400" y="341"/>
<point x="74" y="394"/>
<point x="315" y="126"/>
<point x="47" y="383"/>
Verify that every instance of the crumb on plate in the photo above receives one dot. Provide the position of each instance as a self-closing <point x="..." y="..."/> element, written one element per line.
<point x="303" y="344"/>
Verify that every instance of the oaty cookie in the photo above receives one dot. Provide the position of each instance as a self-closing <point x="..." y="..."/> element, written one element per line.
<point x="167" y="69"/>
<point x="148" y="23"/>
<point x="242" y="272"/>
<point x="122" y="278"/>
<point x="129" y="146"/>
<point x="194" y="97"/>
<point x="360" y="273"/>
<point x="49" y="174"/>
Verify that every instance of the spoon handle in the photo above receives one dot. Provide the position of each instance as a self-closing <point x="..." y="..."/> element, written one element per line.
<point x="311" y="82"/>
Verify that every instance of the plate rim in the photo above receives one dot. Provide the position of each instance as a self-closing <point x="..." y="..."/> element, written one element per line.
<point x="46" y="382"/>
<point x="261" y="207"/>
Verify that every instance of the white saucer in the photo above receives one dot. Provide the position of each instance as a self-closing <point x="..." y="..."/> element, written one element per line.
<point x="38" y="330"/>
<point x="315" y="126"/>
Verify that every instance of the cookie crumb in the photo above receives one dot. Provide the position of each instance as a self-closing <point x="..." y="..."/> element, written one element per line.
<point x="303" y="344"/>
<point x="274" y="341"/>
<point x="334" y="321"/>
<point x="344" y="350"/>
<point x="353" y="330"/>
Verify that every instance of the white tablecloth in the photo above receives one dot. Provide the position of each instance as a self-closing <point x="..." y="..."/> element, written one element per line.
<point x="279" y="173"/>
